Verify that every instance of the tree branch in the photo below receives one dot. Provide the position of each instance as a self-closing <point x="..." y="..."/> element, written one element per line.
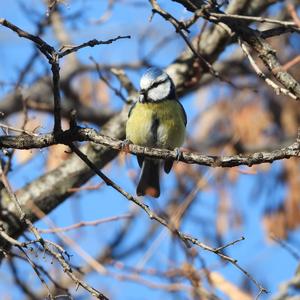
<point x="78" y="134"/>
<point x="53" y="57"/>
<point x="91" y="43"/>
<point x="253" y="38"/>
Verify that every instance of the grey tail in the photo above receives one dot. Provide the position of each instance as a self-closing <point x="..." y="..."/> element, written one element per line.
<point x="168" y="166"/>
<point x="149" y="179"/>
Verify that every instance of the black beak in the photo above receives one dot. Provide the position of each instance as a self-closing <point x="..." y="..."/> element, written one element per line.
<point x="143" y="96"/>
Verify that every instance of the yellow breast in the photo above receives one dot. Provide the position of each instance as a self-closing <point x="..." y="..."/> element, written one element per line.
<point x="169" y="130"/>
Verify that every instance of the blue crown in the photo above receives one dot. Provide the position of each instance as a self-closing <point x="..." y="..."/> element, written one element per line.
<point x="152" y="73"/>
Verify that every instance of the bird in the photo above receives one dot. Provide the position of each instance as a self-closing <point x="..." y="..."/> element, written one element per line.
<point x="158" y="120"/>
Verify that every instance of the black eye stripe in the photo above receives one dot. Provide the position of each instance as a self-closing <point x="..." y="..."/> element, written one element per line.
<point x="156" y="84"/>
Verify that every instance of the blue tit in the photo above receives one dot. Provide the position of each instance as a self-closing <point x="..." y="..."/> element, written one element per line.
<point x="156" y="120"/>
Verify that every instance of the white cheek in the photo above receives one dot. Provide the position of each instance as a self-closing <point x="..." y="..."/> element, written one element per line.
<point x="160" y="92"/>
<point x="155" y="94"/>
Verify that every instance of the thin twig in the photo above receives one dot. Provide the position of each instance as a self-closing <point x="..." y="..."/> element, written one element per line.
<point x="179" y="27"/>
<point x="84" y="224"/>
<point x="53" y="57"/>
<point x="286" y="246"/>
<point x="8" y="127"/>
<point x="223" y="16"/>
<point x="44" y="243"/>
<point x="91" y="43"/>
<point x="101" y="77"/>
<point x="278" y="90"/>
<point x="97" y="266"/>
<point x="185" y="238"/>
<point x="254" y="39"/>
<point x="230" y="244"/>
<point x="37" y="272"/>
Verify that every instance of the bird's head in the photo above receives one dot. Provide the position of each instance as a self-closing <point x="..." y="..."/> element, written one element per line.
<point x="156" y="85"/>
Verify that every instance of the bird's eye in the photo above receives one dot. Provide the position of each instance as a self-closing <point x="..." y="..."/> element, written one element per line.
<point x="156" y="84"/>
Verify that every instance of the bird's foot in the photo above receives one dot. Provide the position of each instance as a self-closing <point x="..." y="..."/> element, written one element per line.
<point x="125" y="145"/>
<point x="178" y="154"/>
<point x="169" y="162"/>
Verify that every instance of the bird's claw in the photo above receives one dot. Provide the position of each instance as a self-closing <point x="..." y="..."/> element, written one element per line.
<point x="125" y="145"/>
<point x="178" y="154"/>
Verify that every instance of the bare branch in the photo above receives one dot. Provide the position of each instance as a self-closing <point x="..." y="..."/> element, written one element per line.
<point x="84" y="224"/>
<point x="53" y="57"/>
<point x="278" y="90"/>
<point x="91" y="43"/>
<point x="291" y="24"/>
<point x="266" y="53"/>
<point x="185" y="238"/>
<point x="44" y="243"/>
<point x="179" y="27"/>
<point x="88" y="134"/>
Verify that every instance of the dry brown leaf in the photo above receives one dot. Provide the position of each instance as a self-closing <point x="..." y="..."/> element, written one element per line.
<point x="250" y="122"/>
<point x="191" y="174"/>
<point x="56" y="155"/>
<point x="223" y="211"/>
<point x="237" y="219"/>
<point x="287" y="217"/>
<point x="182" y="169"/>
<point x="233" y="174"/>
<point x="210" y="119"/>
<point x="292" y="213"/>
<point x="263" y="167"/>
<point x="85" y="91"/>
<point x="121" y="158"/>
<point x="292" y="202"/>
<point x="102" y="94"/>
<point x="132" y="174"/>
<point x="289" y="118"/>
<point x="32" y="125"/>
<point x="247" y="171"/>
<point x="274" y="224"/>
<point x="191" y="273"/>
<point x="24" y="156"/>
